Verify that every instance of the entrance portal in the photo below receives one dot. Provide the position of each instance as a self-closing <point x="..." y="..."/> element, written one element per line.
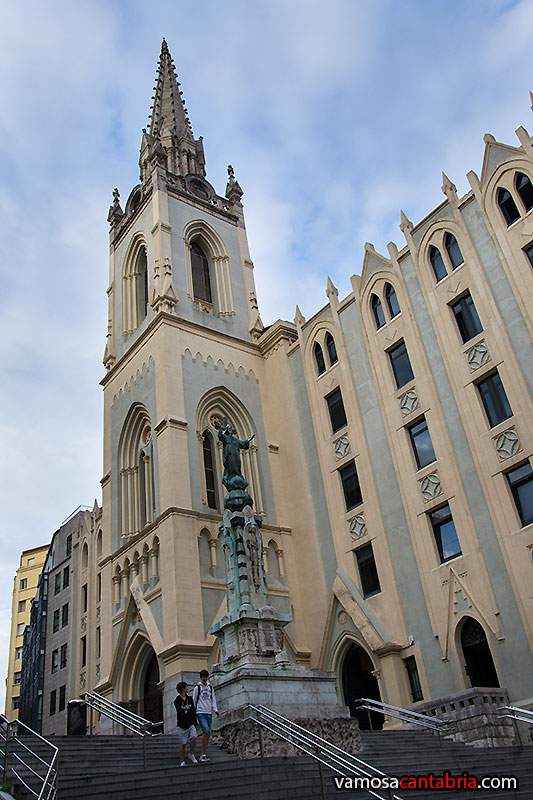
<point x="152" y="696"/>
<point x="357" y="682"/>
<point x="479" y="664"/>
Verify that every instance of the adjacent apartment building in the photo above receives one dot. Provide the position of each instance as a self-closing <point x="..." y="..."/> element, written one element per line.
<point x="25" y="585"/>
<point x="56" y="643"/>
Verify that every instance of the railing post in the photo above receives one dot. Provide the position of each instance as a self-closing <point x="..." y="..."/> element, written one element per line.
<point x="321" y="774"/>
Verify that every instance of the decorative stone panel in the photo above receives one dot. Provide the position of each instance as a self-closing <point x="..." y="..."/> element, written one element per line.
<point x="507" y="444"/>
<point x="97" y="671"/>
<point x="358" y="526"/>
<point x="408" y="402"/>
<point x="341" y="447"/>
<point x="83" y="623"/>
<point x="478" y="355"/>
<point x="430" y="486"/>
<point x="83" y="680"/>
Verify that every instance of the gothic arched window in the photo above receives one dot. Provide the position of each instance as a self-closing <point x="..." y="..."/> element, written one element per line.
<point x="141" y="285"/>
<point x="524" y="187"/>
<point x="507" y="206"/>
<point x="392" y="300"/>
<point x="201" y="283"/>
<point x="137" y="495"/>
<point x="377" y="310"/>
<point x="332" y="350"/>
<point x="319" y="359"/>
<point x="453" y="250"/>
<point x="437" y="263"/>
<point x="208" y="448"/>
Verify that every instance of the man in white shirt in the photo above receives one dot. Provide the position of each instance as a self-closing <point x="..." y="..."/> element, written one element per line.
<point x="205" y="703"/>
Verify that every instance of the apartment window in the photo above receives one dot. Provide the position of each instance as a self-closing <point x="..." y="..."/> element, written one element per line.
<point x="31" y="562"/>
<point x="16" y="703"/>
<point x="62" y="697"/>
<point x="17" y="677"/>
<point x="55" y="661"/>
<point x="24" y="583"/>
<point x="22" y="606"/>
<point x="401" y="366"/>
<point x="83" y="651"/>
<point x="421" y="443"/>
<point x="66" y="577"/>
<point x="520" y="480"/>
<point x="466" y="317"/>
<point x="57" y="584"/>
<point x="529" y="253"/>
<point x="494" y="399"/>
<point x="53" y="696"/>
<point x="63" y="659"/>
<point x="350" y="486"/>
<point x="445" y="533"/>
<point x="84" y="598"/>
<point x="414" y="679"/>
<point x="64" y="616"/>
<point x="368" y="572"/>
<point x="98" y="642"/>
<point x="18" y="653"/>
<point x="99" y="587"/>
<point x="20" y="628"/>
<point x="336" y="410"/>
<point x="55" y="626"/>
<point x="68" y="547"/>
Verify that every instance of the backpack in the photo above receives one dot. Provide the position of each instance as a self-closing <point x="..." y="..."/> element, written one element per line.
<point x="198" y="686"/>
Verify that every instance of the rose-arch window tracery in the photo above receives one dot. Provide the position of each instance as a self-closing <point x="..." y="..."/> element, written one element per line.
<point x="137" y="496"/>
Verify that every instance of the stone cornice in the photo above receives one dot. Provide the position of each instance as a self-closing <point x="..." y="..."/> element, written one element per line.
<point x="275" y="334"/>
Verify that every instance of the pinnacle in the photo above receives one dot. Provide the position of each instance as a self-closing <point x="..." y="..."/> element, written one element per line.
<point x="168" y="110"/>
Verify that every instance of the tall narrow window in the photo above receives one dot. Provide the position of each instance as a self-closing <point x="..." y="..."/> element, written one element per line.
<point x="53" y="700"/>
<point x="437" y="263"/>
<point x="332" y="350"/>
<point x="57" y="583"/>
<point x="507" y="206"/>
<point x="421" y="443"/>
<point x="494" y="399"/>
<point x="524" y="187"/>
<point x="466" y="317"/>
<point x="141" y="285"/>
<point x="84" y="598"/>
<point x="55" y="624"/>
<point x="63" y="661"/>
<point x="414" y="679"/>
<point x="350" y="486"/>
<point x="520" y="480"/>
<point x="336" y="410"/>
<point x="377" y="310"/>
<point x="99" y="587"/>
<point x="445" y="534"/>
<point x="66" y="577"/>
<point x="529" y="253"/>
<point x="55" y="661"/>
<point x="201" y="284"/>
<point x="68" y="545"/>
<point x="62" y="697"/>
<point x="453" y="250"/>
<point x="98" y="642"/>
<point x="83" y="651"/>
<point x="64" y="616"/>
<point x="392" y="300"/>
<point x="401" y="366"/>
<point x="368" y="572"/>
<point x="210" y="469"/>
<point x="319" y="359"/>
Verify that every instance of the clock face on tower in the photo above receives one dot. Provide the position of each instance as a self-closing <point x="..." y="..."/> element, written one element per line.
<point x="199" y="187"/>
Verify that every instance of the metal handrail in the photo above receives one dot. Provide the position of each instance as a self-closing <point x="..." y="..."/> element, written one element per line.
<point x="516" y="713"/>
<point x="47" y="783"/>
<point x="122" y="716"/>
<point x="326" y="753"/>
<point x="404" y="714"/>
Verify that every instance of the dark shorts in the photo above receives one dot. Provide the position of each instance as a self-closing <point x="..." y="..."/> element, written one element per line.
<point x="205" y="721"/>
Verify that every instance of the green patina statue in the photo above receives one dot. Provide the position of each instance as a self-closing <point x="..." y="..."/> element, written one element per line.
<point x="233" y="479"/>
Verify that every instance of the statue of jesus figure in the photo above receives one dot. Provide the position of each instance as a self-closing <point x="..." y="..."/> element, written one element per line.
<point x="231" y="456"/>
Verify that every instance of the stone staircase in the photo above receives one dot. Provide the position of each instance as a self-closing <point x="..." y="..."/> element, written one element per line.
<point x="124" y="767"/>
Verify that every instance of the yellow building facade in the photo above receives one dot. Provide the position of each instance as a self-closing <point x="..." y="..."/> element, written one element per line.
<point x="25" y="586"/>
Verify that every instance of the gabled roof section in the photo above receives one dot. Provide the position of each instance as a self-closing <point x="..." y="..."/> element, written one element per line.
<point x="373" y="262"/>
<point x="495" y="154"/>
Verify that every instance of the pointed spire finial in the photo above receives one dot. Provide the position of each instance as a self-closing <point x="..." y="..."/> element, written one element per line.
<point x="233" y="189"/>
<point x="331" y="289"/>
<point x="448" y="188"/>
<point x="299" y="318"/>
<point x="115" y="213"/>
<point x="406" y="226"/>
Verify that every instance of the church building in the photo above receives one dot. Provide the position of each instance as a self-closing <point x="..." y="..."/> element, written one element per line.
<point x="392" y="449"/>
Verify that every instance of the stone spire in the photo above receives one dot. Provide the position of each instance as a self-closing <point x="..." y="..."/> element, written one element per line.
<point x="170" y="132"/>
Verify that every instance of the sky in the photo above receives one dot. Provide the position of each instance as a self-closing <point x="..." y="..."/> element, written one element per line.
<point x="334" y="115"/>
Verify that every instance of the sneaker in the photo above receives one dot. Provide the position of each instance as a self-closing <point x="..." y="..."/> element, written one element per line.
<point x="192" y="759"/>
<point x="183" y="764"/>
<point x="203" y="757"/>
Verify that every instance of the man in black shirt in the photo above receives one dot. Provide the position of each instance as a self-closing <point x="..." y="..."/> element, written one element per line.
<point x="186" y="719"/>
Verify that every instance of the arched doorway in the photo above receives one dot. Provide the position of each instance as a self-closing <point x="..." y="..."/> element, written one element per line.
<point x="357" y="682"/>
<point x="152" y="697"/>
<point x="479" y="664"/>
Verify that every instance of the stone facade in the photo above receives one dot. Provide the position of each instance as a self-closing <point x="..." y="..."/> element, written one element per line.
<point x="361" y="569"/>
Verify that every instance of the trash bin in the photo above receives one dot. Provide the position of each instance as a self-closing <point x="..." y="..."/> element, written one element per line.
<point x="76" y="718"/>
